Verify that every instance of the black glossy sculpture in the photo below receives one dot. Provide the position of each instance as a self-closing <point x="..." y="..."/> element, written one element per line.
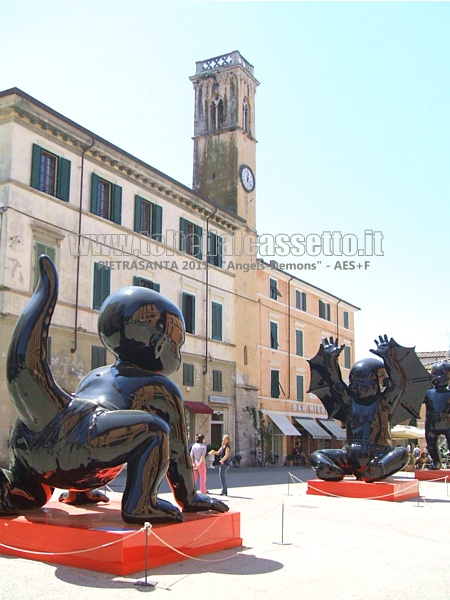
<point x="437" y="418"/>
<point x="381" y="394"/>
<point x="128" y="413"/>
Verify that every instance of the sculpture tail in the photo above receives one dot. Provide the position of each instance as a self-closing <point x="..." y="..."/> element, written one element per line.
<point x="35" y="394"/>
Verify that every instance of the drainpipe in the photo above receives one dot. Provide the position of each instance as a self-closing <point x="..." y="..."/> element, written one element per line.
<point x="205" y="368"/>
<point x="337" y="319"/>
<point x="77" y="285"/>
<point x="289" y="337"/>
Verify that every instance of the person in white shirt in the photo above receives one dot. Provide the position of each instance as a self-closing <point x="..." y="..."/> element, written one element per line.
<point x="198" y="453"/>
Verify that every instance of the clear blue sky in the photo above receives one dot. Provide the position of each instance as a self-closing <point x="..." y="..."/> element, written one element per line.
<point x="352" y="122"/>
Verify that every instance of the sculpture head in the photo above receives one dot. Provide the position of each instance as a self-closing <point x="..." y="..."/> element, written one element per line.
<point x="367" y="378"/>
<point x="440" y="374"/>
<point x="144" y="328"/>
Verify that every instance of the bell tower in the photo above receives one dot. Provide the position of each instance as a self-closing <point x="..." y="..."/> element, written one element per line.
<point x="225" y="172"/>
<point x="224" y="133"/>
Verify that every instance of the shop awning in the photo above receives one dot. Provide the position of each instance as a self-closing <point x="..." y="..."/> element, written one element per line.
<point x="283" y="423"/>
<point x="313" y="428"/>
<point x="334" y="428"/>
<point x="199" y="407"/>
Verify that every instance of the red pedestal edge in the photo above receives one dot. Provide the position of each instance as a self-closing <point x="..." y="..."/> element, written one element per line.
<point x="96" y="538"/>
<point x="432" y="475"/>
<point x="390" y="490"/>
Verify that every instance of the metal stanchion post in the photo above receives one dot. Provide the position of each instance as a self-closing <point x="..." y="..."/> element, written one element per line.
<point x="282" y="543"/>
<point x="146" y="583"/>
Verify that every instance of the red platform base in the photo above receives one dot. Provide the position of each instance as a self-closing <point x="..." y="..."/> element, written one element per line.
<point x="391" y="490"/>
<point x="59" y="533"/>
<point x="431" y="475"/>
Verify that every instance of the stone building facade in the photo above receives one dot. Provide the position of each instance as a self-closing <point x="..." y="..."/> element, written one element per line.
<point x="110" y="220"/>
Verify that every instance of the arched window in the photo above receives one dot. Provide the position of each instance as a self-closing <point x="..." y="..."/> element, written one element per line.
<point x="245" y="116"/>
<point x="216" y="114"/>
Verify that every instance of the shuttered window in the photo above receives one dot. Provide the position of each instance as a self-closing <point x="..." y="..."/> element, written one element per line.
<point x="50" y="173"/>
<point x="275" y="384"/>
<point x="147" y="218"/>
<point x="188" y="374"/>
<point x="188" y="310"/>
<point x="98" y="357"/>
<point x="141" y="282"/>
<point x="191" y="238"/>
<point x="215" y="249"/>
<point x="41" y="249"/>
<point x="274" y="335"/>
<point x="299" y="342"/>
<point x="106" y="199"/>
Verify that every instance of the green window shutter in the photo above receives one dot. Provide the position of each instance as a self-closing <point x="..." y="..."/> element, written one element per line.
<point x="216" y="332"/>
<point x="157" y="222"/>
<point x="102" y="283"/>
<point x="300" y="388"/>
<point x="219" y="251"/>
<point x="217" y="380"/>
<point x="212" y="248"/>
<point x="188" y="374"/>
<point x="42" y="249"/>
<point x="304" y="301"/>
<point x="137" y="214"/>
<point x="182" y="234"/>
<point x="97" y="287"/>
<point x="140" y="282"/>
<point x="198" y="232"/>
<point x="116" y="204"/>
<point x="36" y="167"/>
<point x="328" y="312"/>
<point x="94" y="193"/>
<point x="347" y="357"/>
<point x="299" y="342"/>
<point x="188" y="310"/>
<point x="275" y="384"/>
<point x="98" y="357"/>
<point x="346" y="319"/>
<point x="63" y="183"/>
<point x="273" y="335"/>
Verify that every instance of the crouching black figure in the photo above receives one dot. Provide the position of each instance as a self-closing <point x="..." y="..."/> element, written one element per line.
<point x="129" y="413"/>
<point x="381" y="394"/>
<point x="437" y="417"/>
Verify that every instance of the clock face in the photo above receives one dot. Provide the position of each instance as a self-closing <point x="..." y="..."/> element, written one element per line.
<point x="247" y="178"/>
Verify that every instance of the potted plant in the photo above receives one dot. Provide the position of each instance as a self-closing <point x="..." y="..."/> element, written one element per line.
<point x="289" y="460"/>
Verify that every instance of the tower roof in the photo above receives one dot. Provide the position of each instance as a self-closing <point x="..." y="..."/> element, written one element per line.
<point x="224" y="61"/>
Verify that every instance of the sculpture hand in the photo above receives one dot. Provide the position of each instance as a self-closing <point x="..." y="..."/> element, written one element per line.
<point x="384" y="346"/>
<point x="331" y="348"/>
